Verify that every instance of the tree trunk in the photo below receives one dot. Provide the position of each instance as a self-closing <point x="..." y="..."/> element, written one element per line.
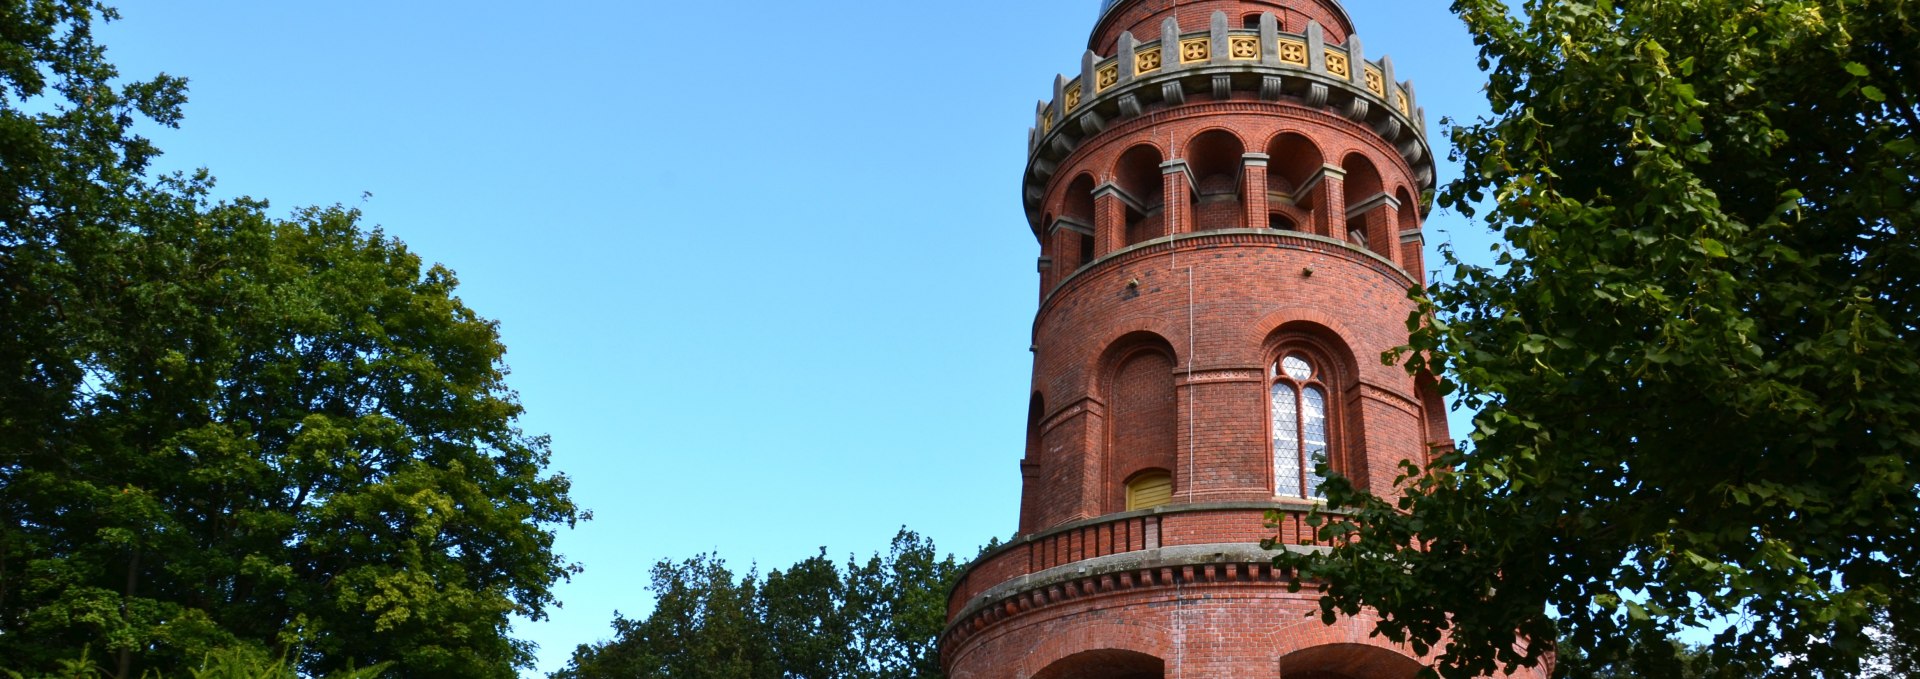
<point x="133" y="579"/>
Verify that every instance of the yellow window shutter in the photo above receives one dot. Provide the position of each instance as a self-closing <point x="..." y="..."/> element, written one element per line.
<point x="1149" y="490"/>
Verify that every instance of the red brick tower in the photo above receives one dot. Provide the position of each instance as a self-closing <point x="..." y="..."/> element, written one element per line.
<point x="1228" y="204"/>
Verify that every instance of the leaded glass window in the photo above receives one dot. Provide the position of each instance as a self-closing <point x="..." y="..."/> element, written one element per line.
<point x="1300" y="431"/>
<point x="1286" y="440"/>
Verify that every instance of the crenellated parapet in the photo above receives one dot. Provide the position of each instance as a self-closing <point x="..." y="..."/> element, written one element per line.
<point x="1222" y="63"/>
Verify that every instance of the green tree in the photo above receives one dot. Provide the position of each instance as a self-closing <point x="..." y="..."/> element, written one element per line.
<point x="1694" y="365"/>
<point x="809" y="620"/>
<point x="1672" y="660"/>
<point x="900" y="601"/>
<point x="877" y="620"/>
<point x="704" y="625"/>
<point x="226" y="432"/>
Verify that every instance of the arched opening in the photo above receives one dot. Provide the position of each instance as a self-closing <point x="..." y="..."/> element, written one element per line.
<point x="1280" y="222"/>
<point x="1434" y="416"/>
<point x="1366" y="226"/>
<point x="1299" y="405"/>
<point x="1076" y="225"/>
<point x="1105" y="664"/>
<point x="1348" y="661"/>
<point x="1137" y="175"/>
<point x="1313" y="412"/>
<point x="1409" y="209"/>
<point x="1250" y="21"/>
<point x="1411" y="258"/>
<point x="1049" y="254"/>
<point x="1030" y="464"/>
<point x="1216" y="158"/>
<point x="1142" y="412"/>
<point x="1295" y="161"/>
<point x="1036" y="409"/>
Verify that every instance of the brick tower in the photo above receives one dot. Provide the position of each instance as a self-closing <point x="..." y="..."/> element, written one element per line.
<point x="1228" y="199"/>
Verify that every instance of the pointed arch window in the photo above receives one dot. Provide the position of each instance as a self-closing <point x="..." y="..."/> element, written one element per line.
<point x="1299" y="407"/>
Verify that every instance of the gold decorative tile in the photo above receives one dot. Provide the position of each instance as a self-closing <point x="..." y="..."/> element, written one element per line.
<point x="1107" y="76"/>
<point x="1337" y="64"/>
<point x="1293" y="52"/>
<point x="1146" y="61"/>
<point x="1046" y="121"/>
<point x="1073" y="95"/>
<point x="1243" y="47"/>
<point x="1376" y="82"/>
<point x="1406" y="108"/>
<point x="1195" y="50"/>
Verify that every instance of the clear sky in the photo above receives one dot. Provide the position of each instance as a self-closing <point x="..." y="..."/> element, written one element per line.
<point x="761" y="266"/>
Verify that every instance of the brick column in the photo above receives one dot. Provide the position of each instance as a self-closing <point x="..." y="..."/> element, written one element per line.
<point x="1029" y="484"/>
<point x="1176" y="198"/>
<point x="1066" y="247"/>
<point x="1411" y="256"/>
<point x="1046" y="276"/>
<point x="1253" y="190"/>
<point x="1109" y="220"/>
<point x="1382" y="236"/>
<point x="1329" y="202"/>
<point x="1379" y="218"/>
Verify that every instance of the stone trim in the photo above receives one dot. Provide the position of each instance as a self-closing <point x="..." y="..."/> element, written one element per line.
<point x="1069" y="224"/>
<point x="1373" y="202"/>
<point x="1183" y="566"/>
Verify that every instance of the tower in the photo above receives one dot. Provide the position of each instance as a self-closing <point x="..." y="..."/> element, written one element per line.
<point x="1228" y="200"/>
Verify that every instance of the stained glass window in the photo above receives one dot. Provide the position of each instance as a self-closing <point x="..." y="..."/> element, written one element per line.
<point x="1299" y="407"/>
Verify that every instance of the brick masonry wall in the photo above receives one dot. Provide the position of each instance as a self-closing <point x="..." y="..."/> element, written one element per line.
<point x="1246" y="627"/>
<point x="1246" y="299"/>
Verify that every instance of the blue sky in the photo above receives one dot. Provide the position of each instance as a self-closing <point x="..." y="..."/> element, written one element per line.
<point x="761" y="266"/>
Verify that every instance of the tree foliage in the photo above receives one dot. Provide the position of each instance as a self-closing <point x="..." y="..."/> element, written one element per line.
<point x="1694" y="363"/>
<point x="224" y="432"/>
<point x="875" y="620"/>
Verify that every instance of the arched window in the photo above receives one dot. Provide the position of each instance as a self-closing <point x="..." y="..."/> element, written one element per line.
<point x="1299" y="405"/>
<point x="1149" y="489"/>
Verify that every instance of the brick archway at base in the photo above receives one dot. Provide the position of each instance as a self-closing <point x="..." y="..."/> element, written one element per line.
<point x="1347" y="661"/>
<point x="1305" y="645"/>
<point x="1106" y="665"/>
<point x="1123" y="638"/>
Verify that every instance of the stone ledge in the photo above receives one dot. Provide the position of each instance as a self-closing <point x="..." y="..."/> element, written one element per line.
<point x="1151" y="568"/>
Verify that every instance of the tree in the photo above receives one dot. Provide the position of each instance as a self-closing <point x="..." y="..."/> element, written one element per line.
<point x="1694" y="366"/>
<point x="878" y="620"/>
<point x="1672" y="660"/>
<point x="224" y="432"/>
<point x="704" y="626"/>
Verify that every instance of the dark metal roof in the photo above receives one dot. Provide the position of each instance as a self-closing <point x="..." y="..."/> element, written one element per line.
<point x="1107" y="5"/>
